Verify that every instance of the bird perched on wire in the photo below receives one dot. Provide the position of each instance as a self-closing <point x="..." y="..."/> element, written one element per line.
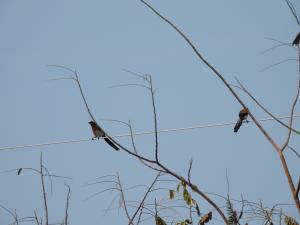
<point x="99" y="132"/>
<point x="297" y="40"/>
<point x="242" y="116"/>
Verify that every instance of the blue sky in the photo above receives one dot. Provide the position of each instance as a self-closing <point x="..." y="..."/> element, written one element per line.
<point x="99" y="39"/>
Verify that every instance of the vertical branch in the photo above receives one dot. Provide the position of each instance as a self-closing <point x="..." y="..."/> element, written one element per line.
<point x="189" y="171"/>
<point x="36" y="218"/>
<point x="298" y="189"/>
<point x="293" y="105"/>
<point x="43" y="190"/>
<point x="190" y="213"/>
<point x="290" y="180"/>
<point x="155" y="208"/>
<point x="155" y="119"/>
<point x="16" y="218"/>
<point x="123" y="199"/>
<point x="67" y="205"/>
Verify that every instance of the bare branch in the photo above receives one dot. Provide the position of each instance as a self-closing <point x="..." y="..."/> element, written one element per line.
<point x="294" y="151"/>
<point x="10" y="212"/>
<point x="123" y="199"/>
<point x="293" y="10"/>
<point x="144" y="198"/>
<point x="293" y="107"/>
<point x="76" y="79"/>
<point x="135" y="150"/>
<point x="276" y="46"/>
<point x="298" y="189"/>
<point x="143" y="77"/>
<point x="100" y="192"/>
<point x="126" y="85"/>
<point x="36" y="218"/>
<point x="43" y="190"/>
<point x="278" y="63"/>
<point x="67" y="204"/>
<point x="155" y="119"/>
<point x="189" y="171"/>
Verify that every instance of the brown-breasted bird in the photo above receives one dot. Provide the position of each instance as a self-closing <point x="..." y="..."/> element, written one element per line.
<point x="242" y="116"/>
<point x="297" y="40"/>
<point x="99" y="132"/>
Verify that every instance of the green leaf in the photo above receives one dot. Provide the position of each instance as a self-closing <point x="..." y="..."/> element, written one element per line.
<point x="185" y="194"/>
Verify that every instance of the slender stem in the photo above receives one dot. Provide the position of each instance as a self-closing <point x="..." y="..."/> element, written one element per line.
<point x="298" y="189"/>
<point x="81" y="92"/>
<point x="155" y="119"/>
<point x="135" y="150"/>
<point x="293" y="105"/>
<point x="44" y="191"/>
<point x="290" y="180"/>
<point x="123" y="200"/>
<point x="67" y="205"/>
<point x="189" y="171"/>
<point x="144" y="198"/>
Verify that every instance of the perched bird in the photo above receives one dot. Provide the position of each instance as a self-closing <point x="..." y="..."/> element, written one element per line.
<point x="242" y="116"/>
<point x="297" y="40"/>
<point x="99" y="132"/>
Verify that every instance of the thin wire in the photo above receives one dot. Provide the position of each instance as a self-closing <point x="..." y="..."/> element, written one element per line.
<point x="137" y="133"/>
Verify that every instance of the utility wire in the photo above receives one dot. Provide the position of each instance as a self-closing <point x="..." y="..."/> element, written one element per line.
<point x="138" y="133"/>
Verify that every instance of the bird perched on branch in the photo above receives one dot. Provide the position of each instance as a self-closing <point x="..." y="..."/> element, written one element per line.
<point x="297" y="40"/>
<point x="242" y="116"/>
<point x="99" y="132"/>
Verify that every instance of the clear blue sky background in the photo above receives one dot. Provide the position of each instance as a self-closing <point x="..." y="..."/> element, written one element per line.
<point x="99" y="39"/>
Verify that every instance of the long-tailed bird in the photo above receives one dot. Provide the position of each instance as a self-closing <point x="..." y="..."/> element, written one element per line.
<point x="242" y="116"/>
<point x="297" y="40"/>
<point x="99" y="132"/>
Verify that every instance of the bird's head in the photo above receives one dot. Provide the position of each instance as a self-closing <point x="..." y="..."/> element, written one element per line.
<point x="92" y="123"/>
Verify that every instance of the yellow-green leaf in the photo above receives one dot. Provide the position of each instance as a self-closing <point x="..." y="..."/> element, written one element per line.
<point x="185" y="194"/>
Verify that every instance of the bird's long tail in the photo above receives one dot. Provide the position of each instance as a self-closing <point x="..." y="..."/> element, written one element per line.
<point x="108" y="141"/>
<point x="238" y="125"/>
